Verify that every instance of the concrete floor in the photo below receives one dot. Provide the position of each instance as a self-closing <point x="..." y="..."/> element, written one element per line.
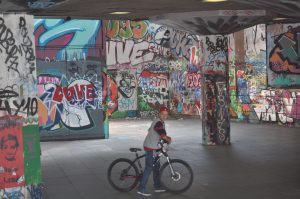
<point x="263" y="162"/>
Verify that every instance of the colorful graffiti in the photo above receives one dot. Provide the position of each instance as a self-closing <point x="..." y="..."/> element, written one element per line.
<point x="153" y="88"/>
<point x="128" y="45"/>
<point x="283" y="52"/>
<point x="13" y="193"/>
<point x="62" y="40"/>
<point x="151" y="54"/>
<point x="126" y="29"/>
<point x="70" y="86"/>
<point x="284" y="55"/>
<point x="28" y="192"/>
<point x="123" y="93"/>
<point x="279" y="106"/>
<point x="185" y="89"/>
<point x="250" y="99"/>
<point x="247" y="70"/>
<point x="67" y="102"/>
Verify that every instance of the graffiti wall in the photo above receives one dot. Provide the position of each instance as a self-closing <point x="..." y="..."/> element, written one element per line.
<point x="254" y="99"/>
<point x="70" y="67"/>
<point x="18" y="108"/>
<point x="247" y="69"/>
<point x="148" y="62"/>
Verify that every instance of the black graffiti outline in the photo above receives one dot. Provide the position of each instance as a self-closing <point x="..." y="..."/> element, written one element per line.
<point x="127" y="88"/>
<point x="91" y="70"/>
<point x="221" y="44"/>
<point x="29" y="105"/>
<point x="8" y="92"/>
<point x="7" y="42"/>
<point x="27" y="46"/>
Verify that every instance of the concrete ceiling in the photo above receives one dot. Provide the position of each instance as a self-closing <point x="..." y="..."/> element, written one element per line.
<point x="194" y="16"/>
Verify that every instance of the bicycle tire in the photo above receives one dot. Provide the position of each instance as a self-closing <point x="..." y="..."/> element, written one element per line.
<point x="165" y="176"/>
<point x="127" y="164"/>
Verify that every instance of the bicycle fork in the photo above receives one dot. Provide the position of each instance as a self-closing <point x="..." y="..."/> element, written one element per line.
<point x="174" y="174"/>
<point x="171" y="167"/>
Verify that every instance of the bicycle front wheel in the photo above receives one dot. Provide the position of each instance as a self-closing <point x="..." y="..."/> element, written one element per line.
<point x="177" y="176"/>
<point x="123" y="174"/>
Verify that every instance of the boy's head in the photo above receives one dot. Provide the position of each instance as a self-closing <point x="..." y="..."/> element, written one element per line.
<point x="163" y="113"/>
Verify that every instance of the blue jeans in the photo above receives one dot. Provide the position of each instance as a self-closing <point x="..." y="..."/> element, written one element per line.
<point x="149" y="160"/>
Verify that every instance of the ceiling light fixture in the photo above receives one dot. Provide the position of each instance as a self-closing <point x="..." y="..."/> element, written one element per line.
<point x="214" y="1"/>
<point x="279" y="18"/>
<point x="119" y="13"/>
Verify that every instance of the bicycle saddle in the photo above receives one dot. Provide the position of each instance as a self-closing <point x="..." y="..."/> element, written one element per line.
<point x="134" y="149"/>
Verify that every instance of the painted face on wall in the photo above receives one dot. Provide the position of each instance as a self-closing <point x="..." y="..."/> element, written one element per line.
<point x="9" y="146"/>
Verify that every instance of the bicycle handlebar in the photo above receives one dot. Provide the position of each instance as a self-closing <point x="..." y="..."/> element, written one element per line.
<point x="163" y="148"/>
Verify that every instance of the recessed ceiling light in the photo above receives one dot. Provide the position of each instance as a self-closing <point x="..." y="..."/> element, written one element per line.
<point x="214" y="1"/>
<point x="279" y="18"/>
<point x="119" y="13"/>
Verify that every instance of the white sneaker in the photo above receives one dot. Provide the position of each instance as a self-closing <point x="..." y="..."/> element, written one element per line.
<point x="159" y="190"/>
<point x="144" y="193"/>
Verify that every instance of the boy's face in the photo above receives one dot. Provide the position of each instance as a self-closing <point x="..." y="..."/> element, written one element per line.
<point x="163" y="115"/>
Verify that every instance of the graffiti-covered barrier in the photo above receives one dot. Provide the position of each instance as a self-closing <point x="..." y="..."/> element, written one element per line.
<point x="151" y="65"/>
<point x="20" y="167"/>
<point x="264" y="74"/>
<point x="71" y="79"/>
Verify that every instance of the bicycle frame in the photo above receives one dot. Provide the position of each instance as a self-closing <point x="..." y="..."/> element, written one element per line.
<point x="157" y="158"/>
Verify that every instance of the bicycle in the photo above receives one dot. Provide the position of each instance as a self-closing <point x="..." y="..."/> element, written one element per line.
<point x="176" y="176"/>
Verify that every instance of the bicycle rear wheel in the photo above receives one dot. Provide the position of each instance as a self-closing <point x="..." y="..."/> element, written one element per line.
<point x="123" y="174"/>
<point x="179" y="180"/>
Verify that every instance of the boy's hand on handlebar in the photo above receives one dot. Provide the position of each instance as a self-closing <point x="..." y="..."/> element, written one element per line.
<point x="168" y="139"/>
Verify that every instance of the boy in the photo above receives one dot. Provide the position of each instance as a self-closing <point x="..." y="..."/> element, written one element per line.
<point x="156" y="132"/>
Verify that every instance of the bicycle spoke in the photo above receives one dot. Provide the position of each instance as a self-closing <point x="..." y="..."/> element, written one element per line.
<point x="180" y="180"/>
<point x="122" y="175"/>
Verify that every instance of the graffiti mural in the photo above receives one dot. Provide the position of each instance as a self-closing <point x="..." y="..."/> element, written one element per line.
<point x="153" y="88"/>
<point x="123" y="90"/>
<point x="283" y="55"/>
<point x="247" y="70"/>
<point x="68" y="40"/>
<point x="278" y="106"/>
<point x="68" y="100"/>
<point x="185" y="89"/>
<point x="251" y="100"/>
<point x="70" y="56"/>
<point x="154" y="55"/>
<point x="126" y="29"/>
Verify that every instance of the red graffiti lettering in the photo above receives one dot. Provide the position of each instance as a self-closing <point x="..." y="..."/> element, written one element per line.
<point x="75" y="92"/>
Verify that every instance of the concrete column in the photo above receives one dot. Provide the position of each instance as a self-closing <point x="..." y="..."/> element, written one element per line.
<point x="20" y="166"/>
<point x="215" y="91"/>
